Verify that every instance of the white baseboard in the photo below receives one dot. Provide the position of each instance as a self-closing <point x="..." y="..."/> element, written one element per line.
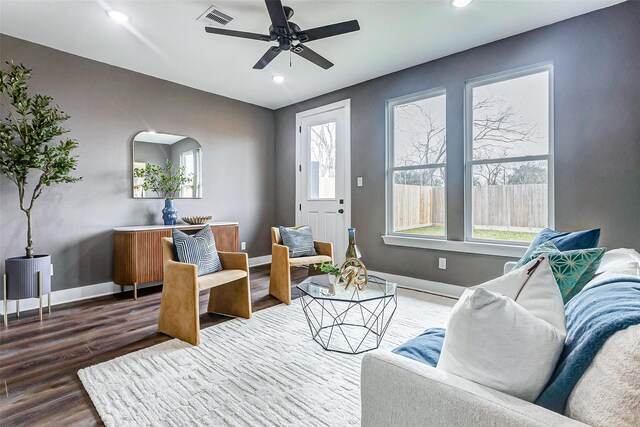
<point x="92" y="291"/>
<point x="259" y="260"/>
<point x="64" y="296"/>
<point x="439" y="288"/>
<point x="108" y="288"/>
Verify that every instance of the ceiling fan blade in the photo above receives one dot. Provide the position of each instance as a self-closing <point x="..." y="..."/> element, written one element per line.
<point x="267" y="57"/>
<point x="277" y="15"/>
<point x="327" y="31"/>
<point x="312" y="56"/>
<point x="243" y="34"/>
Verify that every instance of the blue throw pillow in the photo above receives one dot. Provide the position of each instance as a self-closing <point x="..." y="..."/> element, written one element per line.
<point x="299" y="241"/>
<point x="199" y="249"/>
<point x="568" y="240"/>
<point x="424" y="348"/>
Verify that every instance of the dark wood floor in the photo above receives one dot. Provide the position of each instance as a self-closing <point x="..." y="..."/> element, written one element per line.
<point x="39" y="362"/>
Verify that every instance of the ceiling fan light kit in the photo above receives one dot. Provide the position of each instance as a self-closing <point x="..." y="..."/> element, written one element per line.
<point x="289" y="35"/>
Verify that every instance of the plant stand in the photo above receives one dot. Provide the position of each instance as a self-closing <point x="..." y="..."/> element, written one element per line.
<point x="4" y="289"/>
<point x="24" y="279"/>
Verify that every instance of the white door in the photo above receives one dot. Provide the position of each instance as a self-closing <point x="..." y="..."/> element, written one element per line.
<point x="323" y="192"/>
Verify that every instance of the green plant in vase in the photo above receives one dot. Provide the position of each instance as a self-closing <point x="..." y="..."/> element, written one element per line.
<point x="166" y="181"/>
<point x="332" y="270"/>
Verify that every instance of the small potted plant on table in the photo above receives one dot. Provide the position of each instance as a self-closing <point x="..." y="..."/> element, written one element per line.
<point x="28" y="153"/>
<point x="332" y="270"/>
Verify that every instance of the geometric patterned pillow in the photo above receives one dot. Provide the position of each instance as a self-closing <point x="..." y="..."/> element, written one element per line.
<point x="571" y="269"/>
<point x="198" y="249"/>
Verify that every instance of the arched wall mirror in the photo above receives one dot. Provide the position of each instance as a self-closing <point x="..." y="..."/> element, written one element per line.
<point x="178" y="157"/>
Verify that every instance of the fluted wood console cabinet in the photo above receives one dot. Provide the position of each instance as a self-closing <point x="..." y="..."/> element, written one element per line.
<point x="137" y="251"/>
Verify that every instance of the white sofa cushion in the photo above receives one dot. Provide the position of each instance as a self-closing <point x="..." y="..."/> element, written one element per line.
<point x="610" y="388"/>
<point x="617" y="258"/>
<point x="534" y="287"/>
<point x="510" y="346"/>
<point x="617" y="263"/>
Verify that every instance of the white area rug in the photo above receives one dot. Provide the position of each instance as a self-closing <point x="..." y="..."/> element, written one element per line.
<point x="263" y="371"/>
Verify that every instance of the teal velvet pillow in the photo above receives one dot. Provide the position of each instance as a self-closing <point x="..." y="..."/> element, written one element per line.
<point x="571" y="269"/>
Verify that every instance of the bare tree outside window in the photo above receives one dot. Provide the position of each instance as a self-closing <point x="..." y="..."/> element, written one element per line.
<point x="509" y="165"/>
<point x="419" y="157"/>
<point x="323" y="161"/>
<point x="510" y="155"/>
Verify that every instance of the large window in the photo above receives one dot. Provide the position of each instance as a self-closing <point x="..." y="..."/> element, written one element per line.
<point x="509" y="170"/>
<point x="416" y="144"/>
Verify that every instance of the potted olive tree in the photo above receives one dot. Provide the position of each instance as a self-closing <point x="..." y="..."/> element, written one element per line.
<point x="32" y="157"/>
<point x="166" y="181"/>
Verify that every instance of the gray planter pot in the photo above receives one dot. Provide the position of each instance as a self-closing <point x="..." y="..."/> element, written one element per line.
<point x="22" y="276"/>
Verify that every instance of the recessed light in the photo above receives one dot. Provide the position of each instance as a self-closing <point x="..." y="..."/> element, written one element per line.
<point x="460" y="3"/>
<point x="277" y="78"/>
<point x="119" y="17"/>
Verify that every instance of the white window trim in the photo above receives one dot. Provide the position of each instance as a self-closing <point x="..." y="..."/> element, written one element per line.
<point x="468" y="149"/>
<point x="495" y="249"/>
<point x="390" y="168"/>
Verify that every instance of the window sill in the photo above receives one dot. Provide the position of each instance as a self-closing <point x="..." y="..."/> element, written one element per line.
<point x="494" y="249"/>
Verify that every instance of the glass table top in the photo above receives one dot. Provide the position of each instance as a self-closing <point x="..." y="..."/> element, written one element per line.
<point x="319" y="287"/>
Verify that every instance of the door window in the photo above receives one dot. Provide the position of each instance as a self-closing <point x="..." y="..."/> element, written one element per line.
<point x="322" y="161"/>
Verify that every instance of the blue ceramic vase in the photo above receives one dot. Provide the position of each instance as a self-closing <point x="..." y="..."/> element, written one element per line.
<point x="169" y="213"/>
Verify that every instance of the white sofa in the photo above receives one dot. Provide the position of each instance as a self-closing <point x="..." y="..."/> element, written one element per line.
<point x="398" y="391"/>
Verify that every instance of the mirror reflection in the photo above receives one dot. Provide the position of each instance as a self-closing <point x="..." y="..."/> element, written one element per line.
<point x="166" y="166"/>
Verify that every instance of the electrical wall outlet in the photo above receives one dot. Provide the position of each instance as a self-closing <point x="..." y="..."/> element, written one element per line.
<point x="442" y="263"/>
<point x="243" y="246"/>
<point x="359" y="181"/>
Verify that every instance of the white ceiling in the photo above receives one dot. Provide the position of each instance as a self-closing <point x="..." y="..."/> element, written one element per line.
<point x="163" y="39"/>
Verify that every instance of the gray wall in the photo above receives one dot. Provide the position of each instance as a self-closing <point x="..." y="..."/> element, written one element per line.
<point x="108" y="107"/>
<point x="151" y="152"/>
<point x="597" y="138"/>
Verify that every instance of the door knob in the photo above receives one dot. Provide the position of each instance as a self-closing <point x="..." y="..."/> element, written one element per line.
<point x="340" y="210"/>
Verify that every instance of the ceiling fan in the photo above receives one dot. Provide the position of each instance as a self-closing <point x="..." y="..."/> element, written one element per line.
<point x="289" y="35"/>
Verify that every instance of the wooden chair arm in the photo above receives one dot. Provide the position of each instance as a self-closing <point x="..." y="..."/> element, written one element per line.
<point x="324" y="248"/>
<point x="234" y="261"/>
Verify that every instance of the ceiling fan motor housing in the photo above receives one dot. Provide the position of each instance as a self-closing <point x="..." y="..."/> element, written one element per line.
<point x="287" y="32"/>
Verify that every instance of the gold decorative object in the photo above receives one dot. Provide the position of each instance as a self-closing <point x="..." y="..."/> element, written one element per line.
<point x="353" y="272"/>
<point x="197" y="220"/>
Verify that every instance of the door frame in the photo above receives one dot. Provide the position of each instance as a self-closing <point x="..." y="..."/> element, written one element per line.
<point x="346" y="106"/>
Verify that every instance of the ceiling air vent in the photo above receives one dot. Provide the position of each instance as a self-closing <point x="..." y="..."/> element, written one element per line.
<point x="214" y="17"/>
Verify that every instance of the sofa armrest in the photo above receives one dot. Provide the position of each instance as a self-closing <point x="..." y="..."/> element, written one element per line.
<point x="508" y="266"/>
<point x="396" y="390"/>
<point x="324" y="248"/>
<point x="234" y="261"/>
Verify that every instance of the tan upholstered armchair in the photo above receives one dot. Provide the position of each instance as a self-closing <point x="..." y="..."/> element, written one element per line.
<point x="280" y="281"/>
<point x="180" y="308"/>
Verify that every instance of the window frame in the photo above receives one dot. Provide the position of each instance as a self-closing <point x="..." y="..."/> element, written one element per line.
<point x="391" y="168"/>
<point x="469" y="162"/>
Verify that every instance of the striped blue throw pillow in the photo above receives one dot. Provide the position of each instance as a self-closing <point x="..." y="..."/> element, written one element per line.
<point x="198" y="249"/>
